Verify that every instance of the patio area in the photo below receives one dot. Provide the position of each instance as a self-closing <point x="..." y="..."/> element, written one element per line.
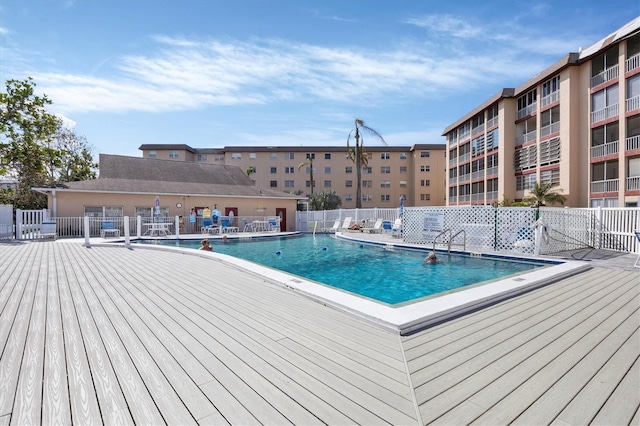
<point x="113" y="335"/>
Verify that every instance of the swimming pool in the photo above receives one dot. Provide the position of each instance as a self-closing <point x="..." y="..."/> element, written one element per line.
<point x="389" y="276"/>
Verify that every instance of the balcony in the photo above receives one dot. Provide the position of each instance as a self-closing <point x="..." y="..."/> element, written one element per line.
<point x="606" y="75"/>
<point x="463" y="135"/>
<point x="453" y="199"/>
<point x="633" y="62"/>
<point x="604" y="113"/>
<point x="527" y="110"/>
<point x="463" y="199"/>
<point x="453" y="180"/>
<point x="527" y="137"/>
<point x="610" y="185"/>
<point x="464" y="178"/>
<point x="477" y="175"/>
<point x="453" y="162"/>
<point x="604" y="149"/>
<point x="550" y="129"/>
<point x="464" y="157"/>
<point x="477" y="130"/>
<point x="477" y="197"/>
<point x="633" y="103"/>
<point x="492" y="195"/>
<point x="632" y="183"/>
<point x="633" y="143"/>
<point x="492" y="171"/>
<point x="550" y="98"/>
<point x="492" y="122"/>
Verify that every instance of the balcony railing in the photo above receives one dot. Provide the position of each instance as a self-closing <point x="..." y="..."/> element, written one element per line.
<point x="606" y="75"/>
<point x="492" y="195"/>
<point x="633" y="62"/>
<point x="604" y="149"/>
<point x="633" y="183"/>
<point x="453" y="162"/>
<point x="492" y="171"/>
<point x="477" y="130"/>
<point x="464" y="157"/>
<point x="633" y="142"/>
<point x="550" y="98"/>
<point x="633" y="103"/>
<point x="610" y="185"/>
<point x="464" y="178"/>
<point x="477" y="175"/>
<point x="477" y="197"/>
<point x="531" y="136"/>
<point x="453" y="199"/>
<point x="453" y="180"/>
<point x="463" y="199"/>
<point x="530" y="109"/>
<point x="492" y="122"/>
<point x="604" y="113"/>
<point x="463" y="136"/>
<point x="551" y="128"/>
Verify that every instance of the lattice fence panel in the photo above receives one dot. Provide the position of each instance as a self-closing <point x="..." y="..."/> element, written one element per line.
<point x="567" y="229"/>
<point x="514" y="229"/>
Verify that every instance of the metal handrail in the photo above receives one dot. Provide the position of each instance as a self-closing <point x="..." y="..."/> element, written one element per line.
<point x="464" y="243"/>
<point x="442" y="233"/>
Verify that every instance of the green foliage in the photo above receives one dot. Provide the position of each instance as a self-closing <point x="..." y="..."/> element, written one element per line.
<point x="357" y="154"/>
<point x="34" y="147"/>
<point x="507" y="202"/>
<point x="543" y="193"/>
<point x="329" y="200"/>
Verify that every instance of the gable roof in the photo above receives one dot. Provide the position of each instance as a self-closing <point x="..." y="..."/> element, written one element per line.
<point x="147" y="175"/>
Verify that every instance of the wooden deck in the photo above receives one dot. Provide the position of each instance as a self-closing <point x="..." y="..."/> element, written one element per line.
<point x="118" y="336"/>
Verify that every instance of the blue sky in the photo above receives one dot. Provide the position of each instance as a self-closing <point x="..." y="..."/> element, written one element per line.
<point x="211" y="73"/>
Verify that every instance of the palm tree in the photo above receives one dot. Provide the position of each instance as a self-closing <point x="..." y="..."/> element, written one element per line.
<point x="357" y="153"/>
<point x="542" y="193"/>
<point x="310" y="157"/>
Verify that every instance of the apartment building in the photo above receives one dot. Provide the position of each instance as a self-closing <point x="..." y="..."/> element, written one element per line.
<point x="416" y="172"/>
<point x="575" y="125"/>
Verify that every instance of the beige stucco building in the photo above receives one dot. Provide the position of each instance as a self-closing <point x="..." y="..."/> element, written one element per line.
<point x="416" y="172"/>
<point x="128" y="186"/>
<point x="575" y="124"/>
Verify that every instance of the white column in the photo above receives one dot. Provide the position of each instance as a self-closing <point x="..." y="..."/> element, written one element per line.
<point x="127" y="238"/>
<point x="87" y="232"/>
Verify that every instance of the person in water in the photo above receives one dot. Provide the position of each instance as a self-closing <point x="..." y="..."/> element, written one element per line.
<point x="431" y="258"/>
<point x="205" y="245"/>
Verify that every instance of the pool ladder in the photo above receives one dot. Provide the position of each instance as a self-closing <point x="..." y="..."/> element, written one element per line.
<point x="450" y="240"/>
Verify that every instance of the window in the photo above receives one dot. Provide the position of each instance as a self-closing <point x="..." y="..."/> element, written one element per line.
<point x="403" y="169"/>
<point x="551" y="86"/>
<point x="385" y="197"/>
<point x="385" y="170"/>
<point x="153" y="154"/>
<point x="236" y="156"/>
<point x="327" y="170"/>
<point x="201" y="157"/>
<point x="367" y="170"/>
<point x="604" y="61"/>
<point x="273" y="184"/>
<point x="348" y="197"/>
<point x="274" y="170"/>
<point x="524" y="182"/>
<point x="289" y="170"/>
<point x="477" y="146"/>
<point x="367" y="184"/>
<point x="289" y="156"/>
<point x="384" y="156"/>
<point x="633" y="88"/>
<point x="604" y="98"/>
<point x="403" y="155"/>
<point x="550" y="176"/>
<point x="219" y="157"/>
<point x="425" y="168"/>
<point x="308" y="184"/>
<point x="403" y="184"/>
<point x="425" y="154"/>
<point x="348" y="184"/>
<point x="385" y="184"/>
<point x="550" y="151"/>
<point x="174" y="154"/>
<point x="425" y="197"/>
<point x="273" y="156"/>
<point x="367" y="197"/>
<point x="327" y="156"/>
<point x="348" y="170"/>
<point x="525" y="158"/>
<point x="252" y="156"/>
<point x="327" y="184"/>
<point x="289" y="184"/>
<point x="526" y="103"/>
<point x="425" y="182"/>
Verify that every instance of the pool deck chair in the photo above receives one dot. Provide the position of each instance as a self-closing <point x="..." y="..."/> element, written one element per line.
<point x="48" y="229"/>
<point x="208" y="227"/>
<point x="346" y="224"/>
<point x="396" y="229"/>
<point x="226" y="226"/>
<point x="108" y="228"/>
<point x="334" y="228"/>
<point x="637" y="234"/>
<point x="376" y="229"/>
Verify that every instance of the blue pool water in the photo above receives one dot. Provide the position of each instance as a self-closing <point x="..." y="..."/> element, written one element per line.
<point x="390" y="276"/>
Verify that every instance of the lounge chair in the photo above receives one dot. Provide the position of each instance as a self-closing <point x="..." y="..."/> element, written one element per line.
<point x="377" y="227"/>
<point x="108" y="228"/>
<point x="334" y="228"/>
<point x="346" y="224"/>
<point x="208" y="227"/>
<point x="386" y="226"/>
<point x="248" y="226"/>
<point x="274" y="224"/>
<point x="48" y="229"/>
<point x="226" y="226"/>
<point x="637" y="264"/>
<point x="396" y="229"/>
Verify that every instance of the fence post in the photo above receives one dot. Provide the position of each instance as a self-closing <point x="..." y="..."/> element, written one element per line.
<point x="127" y="239"/>
<point x="87" y="232"/>
<point x="18" y="224"/>
<point x="599" y="227"/>
<point x="177" y="225"/>
<point x="138" y="226"/>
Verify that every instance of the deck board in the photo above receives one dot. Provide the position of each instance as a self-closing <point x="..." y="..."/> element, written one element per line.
<point x="118" y="336"/>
